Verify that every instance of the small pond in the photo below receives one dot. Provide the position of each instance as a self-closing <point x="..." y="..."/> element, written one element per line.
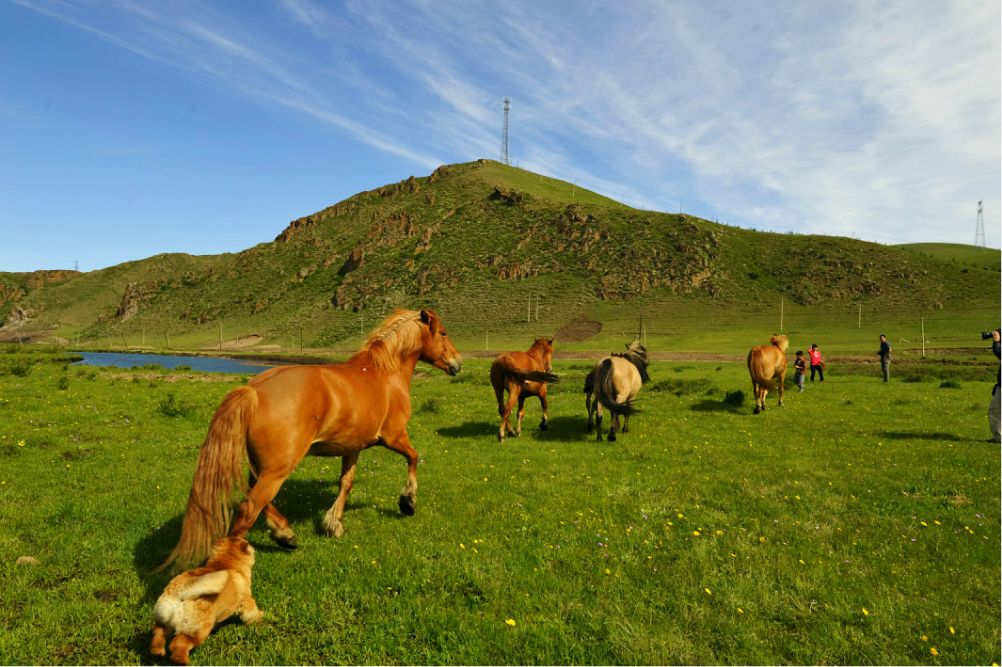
<point x="169" y="361"/>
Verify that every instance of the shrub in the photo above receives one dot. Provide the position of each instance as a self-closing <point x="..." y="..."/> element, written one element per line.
<point x="21" y="368"/>
<point x="949" y="384"/>
<point x="735" y="398"/>
<point x="170" y="407"/>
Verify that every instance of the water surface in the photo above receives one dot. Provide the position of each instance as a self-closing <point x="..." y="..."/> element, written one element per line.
<point x="169" y="361"/>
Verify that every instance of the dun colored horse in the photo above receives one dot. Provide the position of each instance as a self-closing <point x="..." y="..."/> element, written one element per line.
<point x="522" y="374"/>
<point x="285" y="413"/>
<point x="615" y="381"/>
<point x="767" y="367"/>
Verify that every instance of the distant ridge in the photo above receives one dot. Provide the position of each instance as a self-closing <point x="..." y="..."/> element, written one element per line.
<point x="484" y="243"/>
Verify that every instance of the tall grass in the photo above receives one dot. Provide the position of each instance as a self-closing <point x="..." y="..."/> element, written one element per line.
<point x="859" y="524"/>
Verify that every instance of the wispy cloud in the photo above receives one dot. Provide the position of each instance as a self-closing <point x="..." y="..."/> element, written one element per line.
<point x="880" y="120"/>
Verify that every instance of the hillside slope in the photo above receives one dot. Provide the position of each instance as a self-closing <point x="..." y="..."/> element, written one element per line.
<point x="490" y="247"/>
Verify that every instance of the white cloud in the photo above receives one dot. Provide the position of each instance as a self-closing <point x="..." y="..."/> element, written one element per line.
<point x="880" y="120"/>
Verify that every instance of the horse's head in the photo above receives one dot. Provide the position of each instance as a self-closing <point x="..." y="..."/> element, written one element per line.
<point x="544" y="348"/>
<point x="436" y="348"/>
<point x="637" y="350"/>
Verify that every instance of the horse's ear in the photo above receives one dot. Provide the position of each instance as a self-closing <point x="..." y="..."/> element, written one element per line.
<point x="431" y="319"/>
<point x="551" y="339"/>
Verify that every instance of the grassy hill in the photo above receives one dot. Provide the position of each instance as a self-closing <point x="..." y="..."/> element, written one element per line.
<point x="970" y="256"/>
<point x="503" y="254"/>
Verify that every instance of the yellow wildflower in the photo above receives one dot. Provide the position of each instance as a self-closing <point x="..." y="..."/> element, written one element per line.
<point x="511" y="622"/>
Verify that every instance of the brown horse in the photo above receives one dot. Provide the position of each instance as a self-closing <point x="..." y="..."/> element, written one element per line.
<point x="767" y="367"/>
<point x="615" y="381"/>
<point x="522" y="374"/>
<point x="285" y="413"/>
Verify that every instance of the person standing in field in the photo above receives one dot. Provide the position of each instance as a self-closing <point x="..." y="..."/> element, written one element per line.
<point x="885" y="357"/>
<point x="799" y="370"/>
<point x="995" y="406"/>
<point x="817" y="364"/>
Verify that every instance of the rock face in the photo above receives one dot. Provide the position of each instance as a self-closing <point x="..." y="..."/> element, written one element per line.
<point x="131" y="300"/>
<point x="17" y="317"/>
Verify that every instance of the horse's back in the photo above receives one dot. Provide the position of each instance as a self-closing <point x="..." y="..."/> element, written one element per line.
<point x="338" y="404"/>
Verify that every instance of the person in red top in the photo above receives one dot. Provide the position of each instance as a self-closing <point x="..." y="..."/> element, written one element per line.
<point x="817" y="365"/>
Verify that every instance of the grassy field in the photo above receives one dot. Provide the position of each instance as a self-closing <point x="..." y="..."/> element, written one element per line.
<point x="859" y="524"/>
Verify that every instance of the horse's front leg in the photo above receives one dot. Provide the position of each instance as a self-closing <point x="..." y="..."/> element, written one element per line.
<point x="782" y="382"/>
<point x="401" y="444"/>
<point x="332" y="520"/>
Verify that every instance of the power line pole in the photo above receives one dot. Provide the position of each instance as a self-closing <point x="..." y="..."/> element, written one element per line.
<point x="979" y="231"/>
<point x="504" y="134"/>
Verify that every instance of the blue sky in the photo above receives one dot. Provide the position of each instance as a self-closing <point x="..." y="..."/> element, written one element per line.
<point x="132" y="128"/>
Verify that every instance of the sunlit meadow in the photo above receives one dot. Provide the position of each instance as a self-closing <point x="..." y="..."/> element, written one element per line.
<point x="859" y="524"/>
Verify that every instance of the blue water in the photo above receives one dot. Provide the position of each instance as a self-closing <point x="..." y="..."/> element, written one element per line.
<point x="169" y="361"/>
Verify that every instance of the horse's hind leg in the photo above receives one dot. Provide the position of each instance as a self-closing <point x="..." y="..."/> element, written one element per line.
<point x="513" y="398"/>
<point x="613" y="427"/>
<point x="278" y="525"/>
<point x="589" y="409"/>
<point x="598" y="421"/>
<point x="521" y="414"/>
<point x="545" y="424"/>
<point x="260" y="496"/>
<point x="332" y="520"/>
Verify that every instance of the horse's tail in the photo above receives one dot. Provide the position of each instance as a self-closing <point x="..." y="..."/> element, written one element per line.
<point x="605" y="391"/>
<point x="524" y="374"/>
<point x="219" y="472"/>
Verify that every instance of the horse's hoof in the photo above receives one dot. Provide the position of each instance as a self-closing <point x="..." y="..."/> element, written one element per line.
<point x="407" y="505"/>
<point x="756" y="409"/>
<point x="288" y="543"/>
<point x="612" y="437"/>
<point x="543" y="426"/>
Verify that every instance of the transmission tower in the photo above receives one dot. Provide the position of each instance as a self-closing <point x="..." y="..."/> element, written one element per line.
<point x="504" y="134"/>
<point x="979" y="231"/>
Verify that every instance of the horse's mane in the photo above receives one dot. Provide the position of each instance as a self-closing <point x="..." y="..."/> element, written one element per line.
<point x="636" y="354"/>
<point x="397" y="337"/>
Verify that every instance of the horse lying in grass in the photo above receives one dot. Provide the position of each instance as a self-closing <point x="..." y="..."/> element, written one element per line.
<point x="285" y="413"/>
<point x="522" y="374"/>
<point x="767" y="367"/>
<point x="615" y="382"/>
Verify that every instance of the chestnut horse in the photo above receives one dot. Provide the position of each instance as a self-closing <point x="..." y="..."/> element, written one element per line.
<point x="615" y="381"/>
<point x="767" y="367"/>
<point x="522" y="374"/>
<point x="285" y="413"/>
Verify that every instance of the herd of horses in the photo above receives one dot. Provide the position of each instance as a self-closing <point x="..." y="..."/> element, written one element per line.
<point x="286" y="413"/>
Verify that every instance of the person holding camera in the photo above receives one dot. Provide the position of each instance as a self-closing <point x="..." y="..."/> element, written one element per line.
<point x="995" y="407"/>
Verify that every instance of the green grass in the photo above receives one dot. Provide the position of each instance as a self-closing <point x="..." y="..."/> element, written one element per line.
<point x="859" y="524"/>
<point x="487" y="261"/>
<point x="973" y="257"/>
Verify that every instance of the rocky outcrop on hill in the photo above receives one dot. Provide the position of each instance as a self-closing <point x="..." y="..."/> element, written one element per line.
<point x="131" y="300"/>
